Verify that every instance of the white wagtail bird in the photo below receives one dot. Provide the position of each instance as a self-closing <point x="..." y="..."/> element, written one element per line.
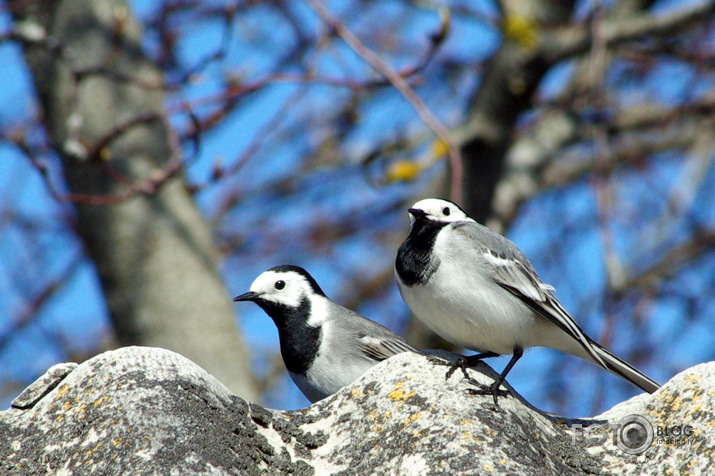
<point x="476" y="289"/>
<point x="324" y="345"/>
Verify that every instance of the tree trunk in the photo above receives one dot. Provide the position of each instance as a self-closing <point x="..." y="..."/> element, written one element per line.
<point x="103" y="111"/>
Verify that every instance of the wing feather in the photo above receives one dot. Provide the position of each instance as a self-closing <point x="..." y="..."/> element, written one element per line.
<point x="511" y="270"/>
<point x="373" y="340"/>
<point x="381" y="348"/>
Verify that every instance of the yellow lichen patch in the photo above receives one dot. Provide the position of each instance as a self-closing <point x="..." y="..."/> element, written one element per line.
<point x="670" y="402"/>
<point x="81" y="408"/>
<point x="356" y="393"/>
<point x="116" y="442"/>
<point x="61" y="391"/>
<point x="412" y="418"/>
<point x="398" y="394"/>
<point x="488" y="467"/>
<point x="100" y="401"/>
<point x="465" y="422"/>
<point x="418" y="434"/>
<point x="88" y="454"/>
<point x="468" y="436"/>
<point x="676" y="403"/>
<point x="692" y="378"/>
<point x="67" y="405"/>
<point x="695" y="409"/>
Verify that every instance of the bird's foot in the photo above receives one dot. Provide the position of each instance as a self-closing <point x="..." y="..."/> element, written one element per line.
<point x="434" y="360"/>
<point x="462" y="364"/>
<point x="492" y="390"/>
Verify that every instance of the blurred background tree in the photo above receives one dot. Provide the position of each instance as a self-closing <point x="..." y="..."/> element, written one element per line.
<point x="157" y="156"/>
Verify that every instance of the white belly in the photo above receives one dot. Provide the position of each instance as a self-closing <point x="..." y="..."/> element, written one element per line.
<point x="472" y="312"/>
<point x="324" y="379"/>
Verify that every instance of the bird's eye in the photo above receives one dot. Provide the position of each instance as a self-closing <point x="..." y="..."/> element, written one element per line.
<point x="445" y="211"/>
<point x="280" y="284"/>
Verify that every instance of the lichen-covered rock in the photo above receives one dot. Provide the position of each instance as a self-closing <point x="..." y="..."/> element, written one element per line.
<point x="150" y="411"/>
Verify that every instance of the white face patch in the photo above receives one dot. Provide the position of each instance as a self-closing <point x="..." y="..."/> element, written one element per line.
<point x="440" y="210"/>
<point x="284" y="287"/>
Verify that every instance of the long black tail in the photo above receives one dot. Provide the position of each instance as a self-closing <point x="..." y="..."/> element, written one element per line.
<point x="625" y="370"/>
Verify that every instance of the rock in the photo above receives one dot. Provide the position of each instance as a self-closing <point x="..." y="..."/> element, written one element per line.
<point x="143" y="410"/>
<point x="43" y="385"/>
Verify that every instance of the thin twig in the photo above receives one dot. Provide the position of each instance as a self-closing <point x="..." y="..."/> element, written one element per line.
<point x="399" y="83"/>
<point x="146" y="186"/>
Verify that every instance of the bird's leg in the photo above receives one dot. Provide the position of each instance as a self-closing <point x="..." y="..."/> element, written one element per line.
<point x="493" y="389"/>
<point x="464" y="363"/>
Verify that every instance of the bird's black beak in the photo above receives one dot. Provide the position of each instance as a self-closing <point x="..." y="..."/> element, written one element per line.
<point x="417" y="213"/>
<point x="249" y="296"/>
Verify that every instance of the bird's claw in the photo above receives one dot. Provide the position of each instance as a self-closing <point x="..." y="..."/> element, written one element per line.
<point x="462" y="364"/>
<point x="492" y="390"/>
<point x="434" y="360"/>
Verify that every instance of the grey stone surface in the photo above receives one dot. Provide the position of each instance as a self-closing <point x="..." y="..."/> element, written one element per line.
<point x="141" y="410"/>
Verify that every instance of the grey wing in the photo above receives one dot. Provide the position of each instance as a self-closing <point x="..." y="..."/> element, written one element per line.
<point x="381" y="348"/>
<point x="374" y="340"/>
<point x="511" y="270"/>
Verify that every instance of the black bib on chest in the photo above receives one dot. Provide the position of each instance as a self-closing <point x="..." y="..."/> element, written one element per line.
<point x="299" y="341"/>
<point x="415" y="262"/>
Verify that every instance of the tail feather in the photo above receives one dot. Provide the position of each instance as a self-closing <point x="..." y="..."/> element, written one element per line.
<point x="625" y="370"/>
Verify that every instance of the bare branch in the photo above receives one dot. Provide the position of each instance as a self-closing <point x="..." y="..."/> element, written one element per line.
<point x="399" y="83"/>
<point x="629" y="148"/>
<point x="540" y="158"/>
<point x="668" y="264"/>
<point x="616" y="31"/>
